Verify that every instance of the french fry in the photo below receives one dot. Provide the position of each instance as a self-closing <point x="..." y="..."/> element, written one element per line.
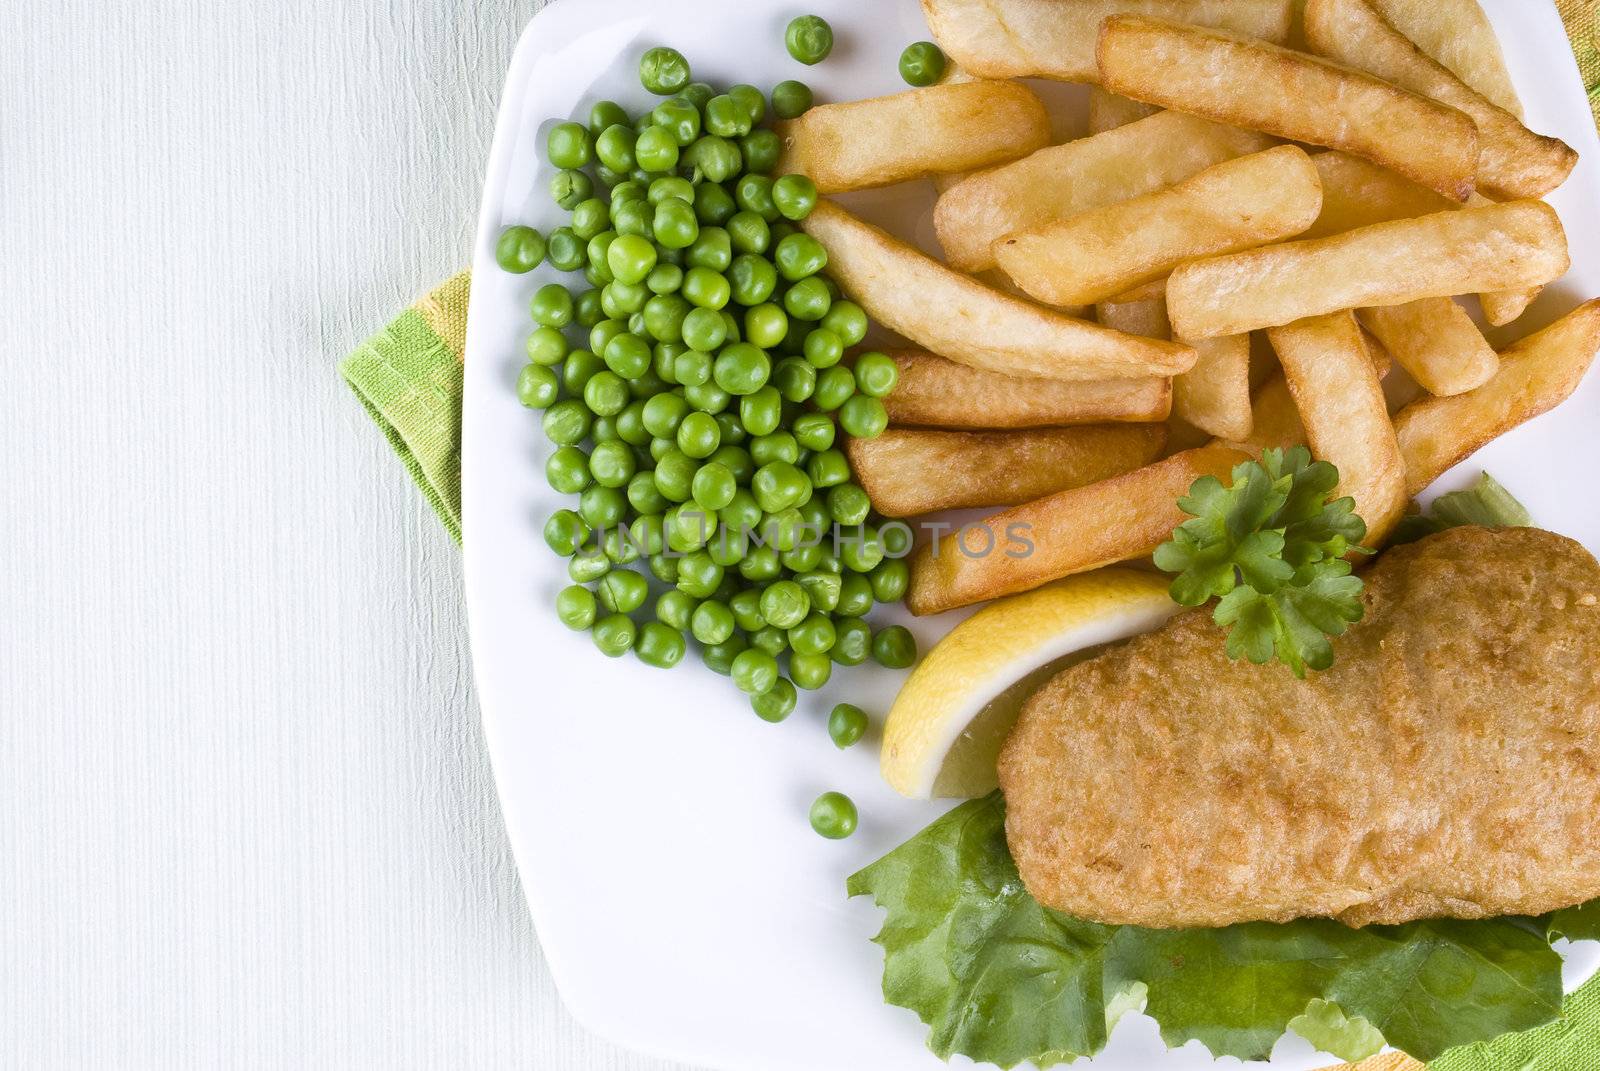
<point x="1513" y="161"/>
<point x="1107" y="251"/>
<point x="1536" y="375"/>
<point x="1055" y="38"/>
<point x="958" y="127"/>
<point x="1147" y="318"/>
<point x="1436" y="342"/>
<point x="959" y="318"/>
<point x="1274" y="419"/>
<point x="1382" y="362"/>
<point x="1065" y="180"/>
<point x="1458" y="34"/>
<point x="1341" y="405"/>
<point x="1107" y="111"/>
<point x="938" y="393"/>
<point x="1214" y="395"/>
<point x="1359" y="193"/>
<point x="1253" y="84"/>
<point x="1501" y="307"/>
<point x="1068" y="532"/>
<point x="1470" y="250"/>
<point x="911" y="471"/>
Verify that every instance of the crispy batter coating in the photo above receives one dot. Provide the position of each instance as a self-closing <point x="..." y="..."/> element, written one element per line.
<point x="1447" y="764"/>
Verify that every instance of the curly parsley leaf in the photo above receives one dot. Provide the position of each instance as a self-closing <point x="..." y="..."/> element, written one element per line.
<point x="1271" y="548"/>
<point x="1002" y="979"/>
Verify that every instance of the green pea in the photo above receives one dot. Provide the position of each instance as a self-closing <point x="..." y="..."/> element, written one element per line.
<point x="643" y="495"/>
<point x="716" y="158"/>
<point x="590" y="218"/>
<point x="625" y="192"/>
<point x="794" y="196"/>
<point x="706" y="288"/>
<point x="635" y="217"/>
<point x="754" y="279"/>
<point x="698" y="575"/>
<point x="697" y="93"/>
<point x="761" y="149"/>
<point x="679" y="118"/>
<point x="663" y="71"/>
<point x="742" y="511"/>
<point x="713" y="486"/>
<point x="675" y="225"/>
<point x="846" y="724"/>
<point x="810" y="671"/>
<point x="537" y="387"/>
<point x="775" y="446"/>
<point x="847" y="321"/>
<point x="519" y="249"/>
<point x="713" y="204"/>
<point x="765" y="325"/>
<point x="601" y="334"/>
<point x="667" y="187"/>
<point x="835" y="386"/>
<point x="588" y="565"/>
<point x="565" y="250"/>
<point x="660" y="645"/>
<point x="800" y="256"/>
<point x="862" y="551"/>
<point x="546" y="346"/>
<point x="614" y="147"/>
<point x="894" y="647"/>
<point x="605" y="394"/>
<point x="808" y="299"/>
<point x="631" y="258"/>
<point x="791" y="99"/>
<point x="713" y="249"/>
<point x="719" y="657"/>
<point x="691" y="368"/>
<point x="698" y="435"/>
<point x="863" y="416"/>
<point x="567" y="470"/>
<point x="809" y="39"/>
<point x="849" y="504"/>
<point x="646" y="385"/>
<point x="779" y="485"/>
<point x="656" y="150"/>
<point x="704" y="330"/>
<point x="741" y="369"/>
<point x="588" y="309"/>
<point x="771" y="639"/>
<point x="749" y="233"/>
<point x="707" y="397"/>
<point x="664" y="568"/>
<point x="755" y="672"/>
<point x="569" y="146"/>
<point x="605" y="429"/>
<point x="602" y="507"/>
<point x="785" y="604"/>
<point x="753" y="193"/>
<point x="565" y="532"/>
<point x="575" y="607"/>
<point x="622" y="591"/>
<point x="890" y="580"/>
<point x="664" y="315"/>
<point x="567" y="422"/>
<point x="664" y="278"/>
<point x="612" y="464"/>
<point x="712" y="622"/>
<point x="922" y="64"/>
<point x="551" y="306"/>
<point x="760" y="564"/>
<point x="815" y="431"/>
<point x="663" y="414"/>
<point x="675" y="609"/>
<point x="725" y="118"/>
<point x="796" y="380"/>
<point x="853" y="643"/>
<point x="876" y="374"/>
<point x="812" y="636"/>
<point x="621" y="300"/>
<point x="746" y="609"/>
<point x="777" y="703"/>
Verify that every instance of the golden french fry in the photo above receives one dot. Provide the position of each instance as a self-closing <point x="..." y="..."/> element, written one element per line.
<point x="1341" y="405"/>
<point x="1147" y="318"/>
<point x="958" y="127"/>
<point x="1513" y="161"/>
<point x="959" y="318"/>
<point x="1055" y="38"/>
<point x="1253" y="84"/>
<point x="1107" y="251"/>
<point x="911" y="471"/>
<point x="1065" y="180"/>
<point x="1107" y="111"/>
<point x="938" y="393"/>
<point x="1381" y="360"/>
<point x="1536" y="375"/>
<point x="1068" y="532"/>
<point x="1457" y="33"/>
<point x="1274" y="419"/>
<point x="1501" y="307"/>
<point x="1359" y="193"/>
<point x="1436" y="342"/>
<point x="1470" y="250"/>
<point x="1214" y="395"/>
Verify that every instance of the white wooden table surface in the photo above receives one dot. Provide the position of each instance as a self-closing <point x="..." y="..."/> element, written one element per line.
<point x="246" y="817"/>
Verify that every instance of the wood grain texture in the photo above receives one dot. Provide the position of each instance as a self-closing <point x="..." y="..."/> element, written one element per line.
<point x="246" y="816"/>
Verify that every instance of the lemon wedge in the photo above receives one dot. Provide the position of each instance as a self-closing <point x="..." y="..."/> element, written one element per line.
<point x="947" y="725"/>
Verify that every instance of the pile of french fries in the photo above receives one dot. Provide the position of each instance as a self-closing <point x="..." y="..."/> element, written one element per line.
<point x="1277" y="203"/>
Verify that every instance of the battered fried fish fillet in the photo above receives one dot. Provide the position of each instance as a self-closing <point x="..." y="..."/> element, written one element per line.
<point x="1447" y="764"/>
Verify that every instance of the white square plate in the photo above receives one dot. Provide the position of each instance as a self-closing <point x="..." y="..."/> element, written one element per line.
<point x="660" y="828"/>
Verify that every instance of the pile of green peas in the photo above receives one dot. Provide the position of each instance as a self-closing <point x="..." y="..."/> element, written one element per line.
<point x="697" y="394"/>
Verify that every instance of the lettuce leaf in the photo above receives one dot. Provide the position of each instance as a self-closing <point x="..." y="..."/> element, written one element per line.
<point x="1002" y="979"/>
<point x="1486" y="503"/>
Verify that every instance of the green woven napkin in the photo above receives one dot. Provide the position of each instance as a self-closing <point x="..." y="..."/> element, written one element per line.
<point x="409" y="378"/>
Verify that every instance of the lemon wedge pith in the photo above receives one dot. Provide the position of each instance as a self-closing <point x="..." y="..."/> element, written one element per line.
<point x="946" y="727"/>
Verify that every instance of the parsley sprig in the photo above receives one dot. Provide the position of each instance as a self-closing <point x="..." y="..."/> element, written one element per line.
<point x="1271" y="548"/>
